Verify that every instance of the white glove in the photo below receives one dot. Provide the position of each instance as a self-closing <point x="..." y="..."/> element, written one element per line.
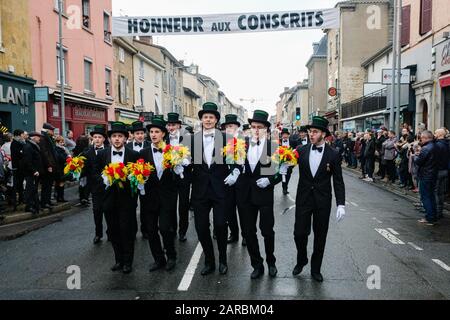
<point x="141" y="189"/>
<point x="263" y="182"/>
<point x="178" y="169"/>
<point x="185" y="162"/>
<point x="340" y="213"/>
<point x="83" y="182"/>
<point x="232" y="177"/>
<point x="284" y="169"/>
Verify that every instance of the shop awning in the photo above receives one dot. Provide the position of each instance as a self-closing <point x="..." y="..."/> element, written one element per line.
<point x="84" y="100"/>
<point x="444" y="81"/>
<point x="371" y="114"/>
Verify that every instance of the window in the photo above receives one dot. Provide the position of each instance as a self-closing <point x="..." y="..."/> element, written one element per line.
<point x="373" y="67"/>
<point x="164" y="80"/>
<point x="55" y="110"/>
<point x="406" y="25"/>
<point x="157" y="77"/>
<point x="123" y="89"/>
<point x="121" y="54"/>
<point x="58" y="65"/>
<point x="1" y="40"/>
<point x="330" y="52"/>
<point x="425" y="16"/>
<point x="88" y="74"/>
<point x="141" y="96"/>
<point x="108" y="82"/>
<point x="86" y="14"/>
<point x="106" y="27"/>
<point x="63" y="5"/>
<point x="141" y="69"/>
<point x="387" y="58"/>
<point x="337" y="45"/>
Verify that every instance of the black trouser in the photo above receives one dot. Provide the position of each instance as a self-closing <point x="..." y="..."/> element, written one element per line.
<point x="248" y="214"/>
<point x="161" y="219"/>
<point x="285" y="185"/>
<point x="59" y="191"/>
<point x="142" y="216"/>
<point x="382" y="169"/>
<point x="47" y="181"/>
<point x="370" y="167"/>
<point x="231" y="211"/>
<point x="18" y="180"/>
<point x="97" y="209"/>
<point x="31" y="192"/>
<point x="202" y="207"/>
<point x="122" y="233"/>
<point x="83" y="193"/>
<point x="183" y="191"/>
<point x="302" y="229"/>
<point x="362" y="162"/>
<point x="390" y="170"/>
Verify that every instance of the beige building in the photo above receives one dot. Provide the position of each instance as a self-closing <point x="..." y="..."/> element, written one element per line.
<point x="293" y="100"/>
<point x="365" y="28"/>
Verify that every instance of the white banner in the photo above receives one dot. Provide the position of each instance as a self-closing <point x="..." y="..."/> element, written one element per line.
<point x="226" y="23"/>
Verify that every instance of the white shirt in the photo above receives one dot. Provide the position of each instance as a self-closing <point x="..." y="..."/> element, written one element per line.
<point x="254" y="153"/>
<point x="158" y="158"/>
<point x="137" y="148"/>
<point x="99" y="148"/>
<point x="285" y="143"/>
<point x="117" y="158"/>
<point x="315" y="157"/>
<point x="175" y="138"/>
<point x="304" y="141"/>
<point x="208" y="147"/>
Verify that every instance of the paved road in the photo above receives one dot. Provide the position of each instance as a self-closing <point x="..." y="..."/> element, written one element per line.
<point x="380" y="230"/>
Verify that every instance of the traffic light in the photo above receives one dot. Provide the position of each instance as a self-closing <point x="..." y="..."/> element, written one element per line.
<point x="297" y="113"/>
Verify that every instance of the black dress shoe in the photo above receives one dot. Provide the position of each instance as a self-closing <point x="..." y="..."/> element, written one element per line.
<point x="223" y="268"/>
<point x="285" y="192"/>
<point x="257" y="273"/>
<point x="157" y="265"/>
<point x="171" y="263"/>
<point x="297" y="269"/>
<point x="232" y="239"/>
<point x="273" y="271"/>
<point x="207" y="270"/>
<point x="182" y="237"/>
<point x="97" y="239"/>
<point x="117" y="267"/>
<point x="145" y="235"/>
<point x="317" y="276"/>
<point x="127" y="269"/>
<point x="244" y="242"/>
<point x="46" y="206"/>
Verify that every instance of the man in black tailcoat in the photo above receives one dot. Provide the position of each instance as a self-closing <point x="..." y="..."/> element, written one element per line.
<point x="287" y="141"/>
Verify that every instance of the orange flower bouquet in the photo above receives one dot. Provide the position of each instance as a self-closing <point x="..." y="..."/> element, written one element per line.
<point x="175" y="157"/>
<point x="74" y="166"/>
<point x="138" y="174"/>
<point x="234" y="151"/>
<point x="115" y="173"/>
<point x="285" y="157"/>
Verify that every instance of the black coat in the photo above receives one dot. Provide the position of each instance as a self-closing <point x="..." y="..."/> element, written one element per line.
<point x="146" y="144"/>
<point x="246" y="188"/>
<point x="114" y="197"/>
<point x="369" y="150"/>
<point x="32" y="161"/>
<point x="17" y="154"/>
<point x="61" y="157"/>
<point x="48" y="152"/>
<point x="315" y="192"/>
<point x="427" y="162"/>
<point x="95" y="185"/>
<point x="442" y="154"/>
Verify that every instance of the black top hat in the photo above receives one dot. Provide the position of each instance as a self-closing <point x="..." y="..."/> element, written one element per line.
<point x="261" y="117"/>
<point x="137" y="126"/>
<point x="231" y="119"/>
<point x="209" y="107"/>
<point x="157" y="122"/>
<point x="246" y="126"/>
<point x="173" y="117"/>
<point x="48" y="126"/>
<point x="118" y="127"/>
<point x="320" y="123"/>
<point x="98" y="129"/>
<point x="303" y="129"/>
<point x="285" y="130"/>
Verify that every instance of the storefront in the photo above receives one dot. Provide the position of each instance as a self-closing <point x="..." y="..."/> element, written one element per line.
<point x="332" y="118"/>
<point x="127" y="116"/>
<point x="16" y="102"/>
<point x="443" y="71"/>
<point x="81" y="113"/>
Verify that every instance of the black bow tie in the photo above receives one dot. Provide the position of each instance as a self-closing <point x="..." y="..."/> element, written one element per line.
<point x="314" y="147"/>
<point x="157" y="150"/>
<point x="98" y="148"/>
<point x="120" y="153"/>
<point x="138" y="144"/>
<point x="255" y="143"/>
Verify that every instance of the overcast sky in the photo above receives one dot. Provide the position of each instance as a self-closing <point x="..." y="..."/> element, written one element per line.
<point x="246" y="66"/>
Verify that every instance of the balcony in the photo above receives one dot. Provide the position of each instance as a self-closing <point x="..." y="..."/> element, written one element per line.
<point x="374" y="102"/>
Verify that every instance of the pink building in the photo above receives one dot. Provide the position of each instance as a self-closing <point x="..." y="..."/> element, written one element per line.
<point x="88" y="62"/>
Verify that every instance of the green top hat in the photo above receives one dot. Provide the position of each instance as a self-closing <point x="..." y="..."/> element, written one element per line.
<point x="209" y="107"/>
<point x="246" y="126"/>
<point x="231" y="119"/>
<point x="118" y="127"/>
<point x="173" y="117"/>
<point x="137" y="126"/>
<point x="285" y="130"/>
<point x="320" y="123"/>
<point x="98" y="129"/>
<point x="157" y="122"/>
<point x="261" y="117"/>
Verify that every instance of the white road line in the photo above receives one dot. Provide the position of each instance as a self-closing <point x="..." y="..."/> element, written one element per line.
<point x="190" y="270"/>
<point x="354" y="204"/>
<point x="377" y="220"/>
<point x="415" y="246"/>
<point x="290" y="198"/>
<point x="389" y="236"/>
<point x="346" y="202"/>
<point x="393" y="231"/>
<point x="441" y="264"/>
<point x="363" y="209"/>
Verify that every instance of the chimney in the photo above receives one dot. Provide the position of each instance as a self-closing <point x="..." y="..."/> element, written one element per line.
<point x="146" y="39"/>
<point x="315" y="46"/>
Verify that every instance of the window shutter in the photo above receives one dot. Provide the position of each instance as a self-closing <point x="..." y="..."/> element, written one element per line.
<point x="127" y="93"/>
<point x="425" y="16"/>
<point x="406" y="25"/>
<point x="120" y="89"/>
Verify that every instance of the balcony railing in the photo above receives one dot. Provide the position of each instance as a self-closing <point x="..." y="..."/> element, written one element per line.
<point x="374" y="102"/>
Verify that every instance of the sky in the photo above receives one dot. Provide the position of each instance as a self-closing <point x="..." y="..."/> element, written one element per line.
<point x="246" y="66"/>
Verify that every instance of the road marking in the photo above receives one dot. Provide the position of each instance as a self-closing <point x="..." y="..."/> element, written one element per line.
<point x="346" y="202"/>
<point x="190" y="270"/>
<point x="363" y="209"/>
<point x="377" y="220"/>
<point x="290" y="198"/>
<point x="415" y="246"/>
<point x="354" y="204"/>
<point x="441" y="264"/>
<point x="389" y="236"/>
<point x="393" y="231"/>
<point x="287" y="209"/>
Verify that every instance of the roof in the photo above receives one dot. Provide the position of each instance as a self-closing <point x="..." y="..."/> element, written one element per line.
<point x="167" y="53"/>
<point x="377" y="55"/>
<point x="319" y="51"/>
<point x="206" y="78"/>
<point x="355" y="2"/>
<point x="191" y="93"/>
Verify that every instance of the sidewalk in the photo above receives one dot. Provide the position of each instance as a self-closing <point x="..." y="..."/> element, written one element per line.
<point x="394" y="188"/>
